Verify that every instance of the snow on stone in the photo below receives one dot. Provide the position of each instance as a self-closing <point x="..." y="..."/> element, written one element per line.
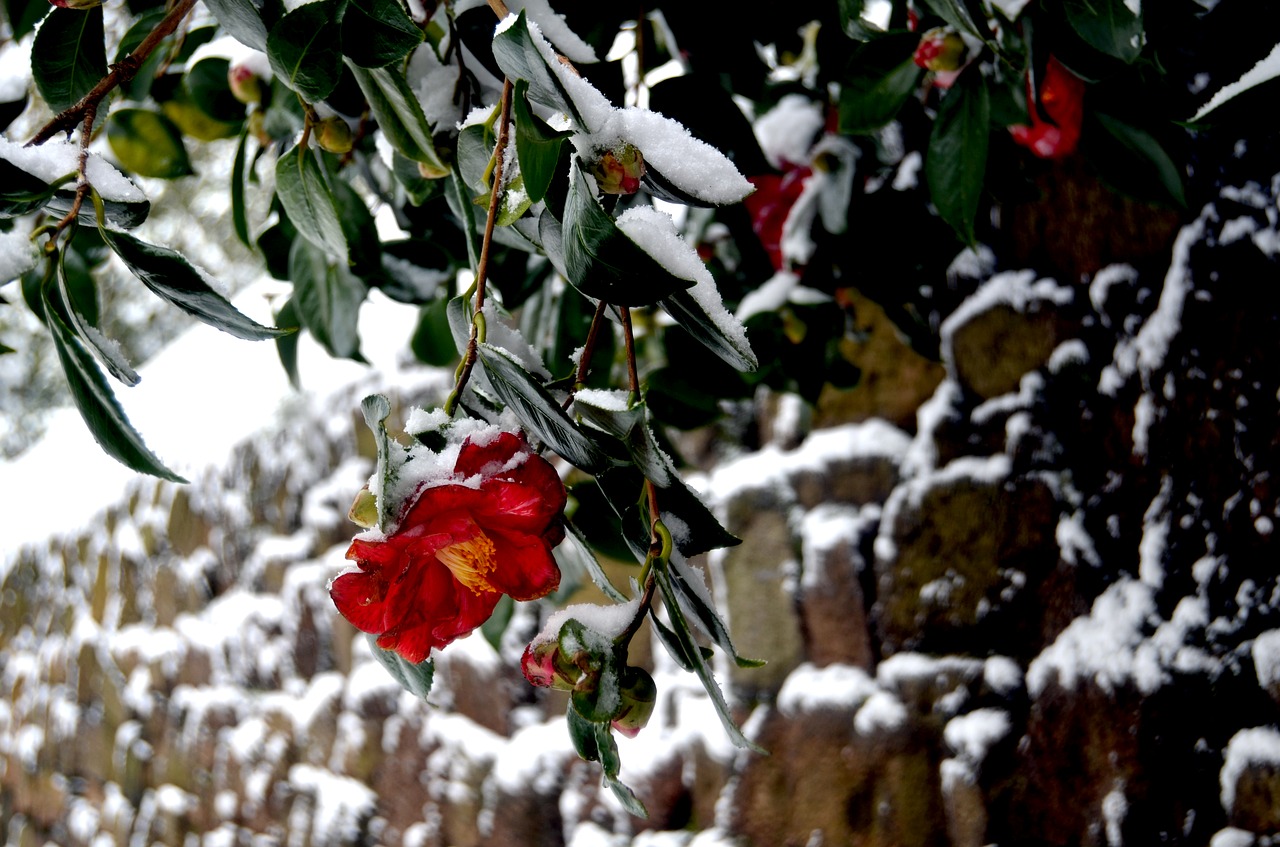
<point x="341" y="804"/>
<point x="1233" y="837"/>
<point x="533" y="757"/>
<point x="1106" y="646"/>
<point x="57" y="158"/>
<point x="973" y="734"/>
<point x="1266" y="658"/>
<point x="809" y="688"/>
<point x="1102" y="282"/>
<point x="787" y="131"/>
<point x="1155" y="533"/>
<point x="879" y="714"/>
<point x="1016" y="289"/>
<point x="1002" y="675"/>
<point x="1144" y="353"/>
<point x="18" y="254"/>
<point x="1074" y="542"/>
<point x="1266" y="69"/>
<point x="826" y="527"/>
<point x="1114" y="809"/>
<point x="1255" y="747"/>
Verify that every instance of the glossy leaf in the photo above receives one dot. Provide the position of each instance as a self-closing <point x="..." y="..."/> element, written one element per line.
<point x="106" y="350"/>
<point x="957" y="14"/>
<point x="376" y="409"/>
<point x="242" y="20"/>
<point x="537" y="145"/>
<point x="881" y="78"/>
<point x="400" y="117"/>
<point x="69" y="55"/>
<point x="1133" y="160"/>
<point x="956" y="165"/>
<point x="540" y="412"/>
<point x="328" y="298"/>
<point x="305" y="50"/>
<point x="287" y="345"/>
<point x="625" y="795"/>
<point x="431" y="342"/>
<point x="460" y="204"/>
<point x="22" y="193"/>
<point x="139" y="88"/>
<point x="171" y="277"/>
<point x="575" y="547"/>
<point x="583" y="734"/>
<point x="414" y="678"/>
<point x="601" y="261"/>
<point x="630" y="426"/>
<point x="147" y="143"/>
<point x="703" y="614"/>
<point x="307" y="200"/>
<point x="690" y="313"/>
<point x="97" y="404"/>
<point x="376" y="33"/>
<point x="1108" y="26"/>
<point x="520" y="58"/>
<point x="239" y="214"/>
<point x="690" y="651"/>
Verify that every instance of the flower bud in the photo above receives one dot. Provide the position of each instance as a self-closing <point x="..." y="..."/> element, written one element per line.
<point x="618" y="170"/>
<point x="940" y="49"/>
<point x="334" y="135"/>
<point x="364" y="511"/>
<point x="638" y="697"/>
<point x="245" y="85"/>
<point x="543" y="666"/>
<point x="76" y="4"/>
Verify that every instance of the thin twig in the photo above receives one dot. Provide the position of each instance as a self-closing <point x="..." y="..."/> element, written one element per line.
<point x="499" y="8"/>
<point x="588" y="351"/>
<point x="482" y="265"/>
<point x="121" y="72"/>
<point x="629" y="339"/>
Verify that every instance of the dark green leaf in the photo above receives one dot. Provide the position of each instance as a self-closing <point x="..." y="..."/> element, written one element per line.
<point x="376" y="33"/>
<point x="497" y="624"/>
<point x="475" y="155"/>
<point x="147" y="143"/>
<point x="957" y="160"/>
<point x="695" y="604"/>
<point x="537" y="145"/>
<point x="418" y="188"/>
<point x="305" y="50"/>
<point x="539" y="411"/>
<point x="139" y="88"/>
<point x="364" y="248"/>
<point x="852" y="22"/>
<point x="626" y="797"/>
<point x="432" y="343"/>
<point x="97" y="404"/>
<point x="327" y="297"/>
<point x="106" y="350"/>
<point x="881" y="77"/>
<point x="242" y="19"/>
<point x="690" y="651"/>
<point x="460" y="204"/>
<point x="304" y="193"/>
<point x="583" y="734"/>
<point x="630" y="425"/>
<point x="287" y="345"/>
<point x="239" y="215"/>
<point x="23" y="15"/>
<point x="1108" y="26"/>
<point x="689" y="312"/>
<point x="414" y="678"/>
<point x="602" y="262"/>
<point x="171" y="277"/>
<point x="399" y="115"/>
<point x="575" y="546"/>
<point x="207" y="81"/>
<point x="520" y="58"/>
<point x="610" y="762"/>
<point x="957" y="14"/>
<point x="69" y="55"/>
<point x="1132" y="160"/>
<point x="22" y="193"/>
<point x="376" y="409"/>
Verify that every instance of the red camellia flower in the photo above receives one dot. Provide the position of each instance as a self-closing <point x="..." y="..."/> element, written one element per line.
<point x="1062" y="98"/>
<point x="458" y="548"/>
<point x="770" y="204"/>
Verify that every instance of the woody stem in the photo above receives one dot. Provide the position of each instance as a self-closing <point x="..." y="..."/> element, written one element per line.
<point x="482" y="265"/>
<point x="629" y="339"/>
<point x="588" y="350"/>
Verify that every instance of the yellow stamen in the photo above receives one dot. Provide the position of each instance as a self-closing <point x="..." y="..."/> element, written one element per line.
<point x="470" y="561"/>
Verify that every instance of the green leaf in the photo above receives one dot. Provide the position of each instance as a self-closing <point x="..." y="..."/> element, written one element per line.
<point x="22" y="193"/>
<point x="956" y="165"/>
<point x="327" y="297"/>
<point x="575" y="547"/>
<point x="432" y="342"/>
<point x="539" y="411"/>
<point x="691" y="314"/>
<point x="147" y="143"/>
<point x="625" y="795"/>
<point x="460" y="204"/>
<point x="852" y="22"/>
<point x="602" y="262"/>
<point x="207" y="81"/>
<point x="882" y="76"/>
<point x="287" y="345"/>
<point x="171" y="277"/>
<point x="417" y="188"/>
<point x="242" y="20"/>
<point x="705" y="616"/>
<point x="399" y="115"/>
<point x="519" y="57"/>
<point x="363" y="246"/>
<point x="690" y="651"/>
<point x="239" y="214"/>
<point x="583" y="734"/>
<point x="1133" y="161"/>
<point x="957" y="14"/>
<point x="106" y="350"/>
<point x="304" y="193"/>
<point x="305" y="49"/>
<point x="139" y="88"/>
<point x="376" y="33"/>
<point x="97" y="404"/>
<point x="414" y="678"/>
<point x="69" y="55"/>
<point x="537" y="145"/>
<point x="630" y="425"/>
<point x="475" y="155"/>
<point x="1108" y="26"/>
<point x="376" y="409"/>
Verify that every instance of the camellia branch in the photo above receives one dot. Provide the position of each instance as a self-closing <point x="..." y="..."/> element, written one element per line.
<point x="482" y="265"/>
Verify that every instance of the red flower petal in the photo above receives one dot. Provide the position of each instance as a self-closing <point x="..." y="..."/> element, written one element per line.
<point x="526" y="569"/>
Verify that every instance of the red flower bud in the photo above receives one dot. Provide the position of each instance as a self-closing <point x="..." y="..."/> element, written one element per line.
<point x="245" y="85"/>
<point x="638" y="697"/>
<point x="1062" y="100"/>
<point x="542" y="666"/>
<point x="940" y="49"/>
<point x="619" y="169"/>
<point x="76" y="4"/>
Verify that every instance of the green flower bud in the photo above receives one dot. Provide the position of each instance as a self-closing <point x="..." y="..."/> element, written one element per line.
<point x="639" y="694"/>
<point x="618" y="170"/>
<point x="334" y="135"/>
<point x="245" y="85"/>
